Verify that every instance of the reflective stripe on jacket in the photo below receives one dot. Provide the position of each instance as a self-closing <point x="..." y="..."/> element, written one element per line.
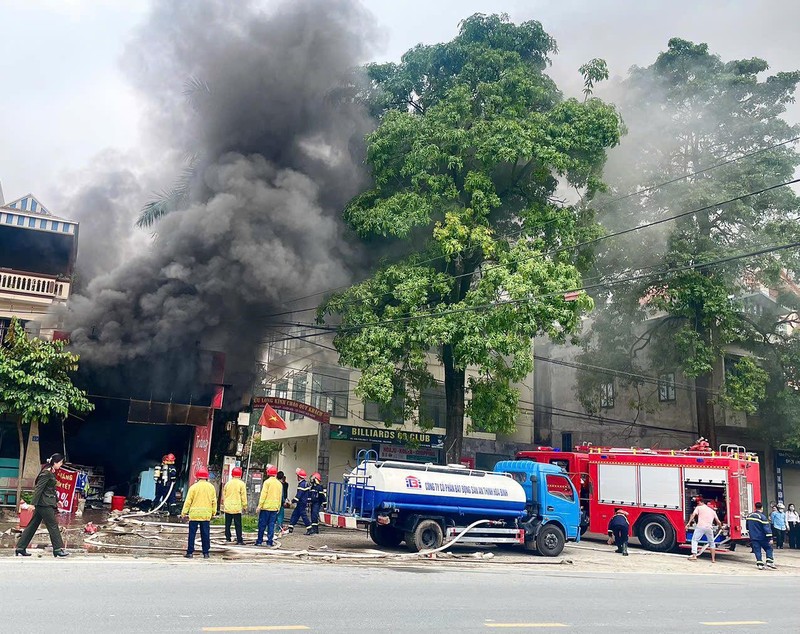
<point x="301" y="497"/>
<point x="270" y="498"/>
<point x="201" y="501"/>
<point x="234" y="496"/>
<point x="758" y="527"/>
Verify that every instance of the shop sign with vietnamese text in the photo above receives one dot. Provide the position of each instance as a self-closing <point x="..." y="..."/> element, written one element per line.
<point x="66" y="481"/>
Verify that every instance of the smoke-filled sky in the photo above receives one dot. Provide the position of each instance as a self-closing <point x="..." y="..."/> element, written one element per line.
<point x="66" y="98"/>
<point x="96" y="116"/>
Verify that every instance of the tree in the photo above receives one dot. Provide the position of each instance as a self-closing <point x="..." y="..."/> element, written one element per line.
<point x="473" y="143"/>
<point x="263" y="450"/>
<point x="35" y="383"/>
<point x="687" y="113"/>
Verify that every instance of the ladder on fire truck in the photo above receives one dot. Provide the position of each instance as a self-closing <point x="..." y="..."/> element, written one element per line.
<point x="726" y="450"/>
<point x="348" y="500"/>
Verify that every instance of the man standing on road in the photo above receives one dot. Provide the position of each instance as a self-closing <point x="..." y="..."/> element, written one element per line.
<point x="200" y="506"/>
<point x="618" y="529"/>
<point x="705" y="518"/>
<point x="234" y="500"/>
<point x="269" y="503"/>
<point x="318" y="498"/>
<point x="760" y="536"/>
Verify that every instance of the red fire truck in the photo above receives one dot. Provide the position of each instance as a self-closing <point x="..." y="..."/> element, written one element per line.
<point x="658" y="488"/>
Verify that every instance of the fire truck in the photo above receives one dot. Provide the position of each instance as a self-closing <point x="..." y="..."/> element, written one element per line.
<point x="659" y="488"/>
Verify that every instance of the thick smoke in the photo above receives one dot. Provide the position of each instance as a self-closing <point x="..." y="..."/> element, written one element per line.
<point x="247" y="95"/>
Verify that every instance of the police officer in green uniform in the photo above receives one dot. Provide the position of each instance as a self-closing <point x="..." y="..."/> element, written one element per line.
<point x="46" y="503"/>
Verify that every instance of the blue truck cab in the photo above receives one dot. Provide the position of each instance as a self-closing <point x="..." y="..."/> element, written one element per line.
<point x="553" y="513"/>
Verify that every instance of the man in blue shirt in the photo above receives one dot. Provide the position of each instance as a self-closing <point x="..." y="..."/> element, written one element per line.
<point x="760" y="531"/>
<point x="778" y="519"/>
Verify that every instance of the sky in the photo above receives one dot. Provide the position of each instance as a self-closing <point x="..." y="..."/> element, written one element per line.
<point x="66" y="100"/>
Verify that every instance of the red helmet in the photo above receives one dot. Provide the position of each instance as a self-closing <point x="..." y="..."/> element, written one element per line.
<point x="201" y="473"/>
<point x="236" y="472"/>
<point x="169" y="458"/>
<point x="272" y="471"/>
<point x="301" y="473"/>
<point x="316" y="476"/>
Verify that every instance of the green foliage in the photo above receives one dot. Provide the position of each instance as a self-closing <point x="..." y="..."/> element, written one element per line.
<point x="264" y="451"/>
<point x="593" y="71"/>
<point x="35" y="383"/>
<point x="687" y="112"/>
<point x="472" y="143"/>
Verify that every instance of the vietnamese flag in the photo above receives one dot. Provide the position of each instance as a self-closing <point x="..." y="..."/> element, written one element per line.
<point x="270" y="418"/>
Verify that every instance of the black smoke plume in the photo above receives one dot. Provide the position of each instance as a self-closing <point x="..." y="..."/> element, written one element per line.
<point x="242" y="96"/>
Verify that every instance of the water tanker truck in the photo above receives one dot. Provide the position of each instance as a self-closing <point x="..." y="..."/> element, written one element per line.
<point x="522" y="502"/>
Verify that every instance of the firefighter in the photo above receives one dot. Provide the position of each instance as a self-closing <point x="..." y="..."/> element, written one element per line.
<point x="200" y="506"/>
<point x="234" y="500"/>
<point x="165" y="476"/>
<point x="268" y="505"/>
<point x="318" y="498"/>
<point x="760" y="536"/>
<point x="301" y="500"/>
<point x="618" y="529"/>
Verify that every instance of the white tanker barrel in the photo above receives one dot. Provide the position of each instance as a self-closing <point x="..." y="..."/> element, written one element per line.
<point x="387" y="485"/>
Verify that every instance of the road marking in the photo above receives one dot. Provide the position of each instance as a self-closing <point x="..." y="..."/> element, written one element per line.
<point x="257" y="628"/>
<point x="733" y="622"/>
<point x="525" y="625"/>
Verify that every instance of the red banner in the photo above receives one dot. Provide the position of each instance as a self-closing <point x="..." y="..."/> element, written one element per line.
<point x="292" y="406"/>
<point x="201" y="448"/>
<point x="66" y="480"/>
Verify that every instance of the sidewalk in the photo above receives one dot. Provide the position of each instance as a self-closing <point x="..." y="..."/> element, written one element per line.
<point x="167" y="541"/>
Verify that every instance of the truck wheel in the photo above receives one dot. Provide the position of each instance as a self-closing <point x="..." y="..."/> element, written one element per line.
<point x="550" y="541"/>
<point x="386" y="536"/>
<point x="656" y="533"/>
<point x="427" y="535"/>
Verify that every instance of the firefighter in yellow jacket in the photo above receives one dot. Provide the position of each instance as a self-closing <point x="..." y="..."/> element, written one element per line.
<point x="234" y="501"/>
<point x="269" y="503"/>
<point x="200" y="506"/>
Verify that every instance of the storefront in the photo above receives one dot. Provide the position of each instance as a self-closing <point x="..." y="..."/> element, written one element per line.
<point x="787" y="477"/>
<point x="347" y="441"/>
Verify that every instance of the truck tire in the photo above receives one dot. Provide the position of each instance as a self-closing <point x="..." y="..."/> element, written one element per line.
<point x="656" y="533"/>
<point x="550" y="541"/>
<point x="386" y="536"/>
<point x="427" y="535"/>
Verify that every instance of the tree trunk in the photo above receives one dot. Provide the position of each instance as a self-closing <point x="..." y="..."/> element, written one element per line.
<point x="454" y="382"/>
<point x="21" y="465"/>
<point x="706" y="425"/>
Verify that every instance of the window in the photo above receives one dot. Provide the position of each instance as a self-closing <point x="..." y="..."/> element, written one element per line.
<point x="607" y="395"/>
<point x="20" y="220"/>
<point x="65" y="228"/>
<point x="666" y="387"/>
<point x="5" y="324"/>
<point x="282" y="391"/>
<point x="560" y="487"/>
<point x="330" y="391"/>
<point x="32" y="222"/>
<point x="433" y="406"/>
<point x="391" y="413"/>
<point x="54" y="226"/>
<point x="43" y="224"/>
<point x="566" y="441"/>
<point x="298" y="393"/>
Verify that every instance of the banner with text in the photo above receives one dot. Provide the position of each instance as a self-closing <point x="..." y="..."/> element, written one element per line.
<point x="288" y="405"/>
<point x="66" y="481"/>
<point x="386" y="436"/>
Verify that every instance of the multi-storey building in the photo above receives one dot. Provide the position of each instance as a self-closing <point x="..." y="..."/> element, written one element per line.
<point x="302" y="370"/>
<point x="37" y="258"/>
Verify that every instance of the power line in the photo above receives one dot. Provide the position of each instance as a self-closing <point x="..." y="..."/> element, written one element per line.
<point x="604" y="205"/>
<point x="409" y="317"/>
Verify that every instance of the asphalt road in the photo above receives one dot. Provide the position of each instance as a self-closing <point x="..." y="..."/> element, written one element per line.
<point x="124" y="595"/>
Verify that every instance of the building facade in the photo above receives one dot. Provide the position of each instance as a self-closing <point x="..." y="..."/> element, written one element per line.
<point x="37" y="259"/>
<point x="307" y="371"/>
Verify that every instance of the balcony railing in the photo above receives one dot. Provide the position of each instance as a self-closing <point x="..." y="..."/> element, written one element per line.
<point x="24" y="283"/>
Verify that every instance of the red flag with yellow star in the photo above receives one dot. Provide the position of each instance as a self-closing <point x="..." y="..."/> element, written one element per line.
<point x="270" y="418"/>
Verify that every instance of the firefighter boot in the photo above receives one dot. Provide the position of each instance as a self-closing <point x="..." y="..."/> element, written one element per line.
<point x="771" y="564"/>
<point x="760" y="565"/>
<point x="290" y="529"/>
<point x="624" y="550"/>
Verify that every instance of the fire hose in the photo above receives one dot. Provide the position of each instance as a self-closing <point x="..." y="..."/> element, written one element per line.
<point x="151" y="511"/>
